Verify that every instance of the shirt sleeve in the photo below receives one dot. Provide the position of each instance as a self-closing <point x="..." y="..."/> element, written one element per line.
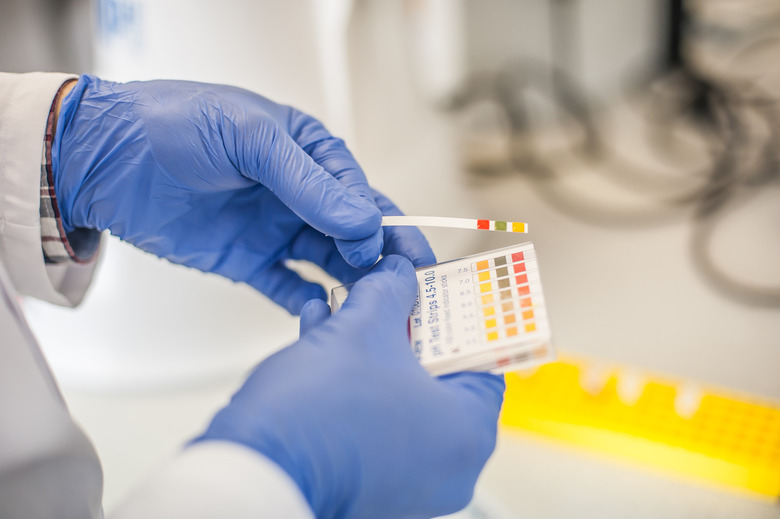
<point x="215" y="479"/>
<point x="81" y="245"/>
<point x="25" y="106"/>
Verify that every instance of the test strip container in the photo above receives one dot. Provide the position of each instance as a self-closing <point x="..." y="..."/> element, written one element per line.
<point x="484" y="312"/>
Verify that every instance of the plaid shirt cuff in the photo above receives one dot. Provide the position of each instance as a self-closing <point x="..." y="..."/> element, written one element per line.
<point x="81" y="245"/>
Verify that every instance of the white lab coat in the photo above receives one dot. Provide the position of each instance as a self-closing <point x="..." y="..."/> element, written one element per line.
<point x="48" y="468"/>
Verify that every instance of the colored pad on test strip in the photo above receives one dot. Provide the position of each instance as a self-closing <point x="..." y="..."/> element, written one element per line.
<point x="499" y="225"/>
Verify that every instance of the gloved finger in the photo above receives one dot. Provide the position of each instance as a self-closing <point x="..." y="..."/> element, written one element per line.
<point x="388" y="293"/>
<point x="313" y="313"/>
<point x="406" y="241"/>
<point x="362" y="253"/>
<point x="333" y="155"/>
<point x="311" y="245"/>
<point x="318" y="198"/>
<point x="329" y="152"/>
<point x="409" y="242"/>
<point x="285" y="287"/>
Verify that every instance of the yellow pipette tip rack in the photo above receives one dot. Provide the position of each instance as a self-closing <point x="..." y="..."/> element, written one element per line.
<point x="723" y="439"/>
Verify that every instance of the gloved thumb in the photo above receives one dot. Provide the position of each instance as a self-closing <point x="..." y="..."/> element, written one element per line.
<point x="313" y="313"/>
<point x="388" y="291"/>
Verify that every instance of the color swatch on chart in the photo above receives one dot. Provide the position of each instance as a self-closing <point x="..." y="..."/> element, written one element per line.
<point x="457" y="223"/>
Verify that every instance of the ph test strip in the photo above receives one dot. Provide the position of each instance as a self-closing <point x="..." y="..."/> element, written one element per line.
<point x="457" y="223"/>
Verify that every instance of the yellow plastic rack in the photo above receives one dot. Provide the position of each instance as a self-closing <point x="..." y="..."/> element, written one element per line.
<point x="728" y="440"/>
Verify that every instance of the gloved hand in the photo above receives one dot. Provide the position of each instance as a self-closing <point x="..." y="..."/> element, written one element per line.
<point x="220" y="179"/>
<point x="352" y="417"/>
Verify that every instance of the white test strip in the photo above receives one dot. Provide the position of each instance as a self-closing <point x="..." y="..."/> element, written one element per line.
<point x="457" y="223"/>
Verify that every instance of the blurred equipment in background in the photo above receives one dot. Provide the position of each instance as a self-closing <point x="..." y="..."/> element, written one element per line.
<point x="46" y="35"/>
<point x="702" y="123"/>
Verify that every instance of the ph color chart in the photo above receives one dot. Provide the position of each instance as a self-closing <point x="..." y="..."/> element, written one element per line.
<point x="481" y="313"/>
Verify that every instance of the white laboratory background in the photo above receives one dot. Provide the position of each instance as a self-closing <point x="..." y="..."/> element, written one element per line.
<point x="554" y="112"/>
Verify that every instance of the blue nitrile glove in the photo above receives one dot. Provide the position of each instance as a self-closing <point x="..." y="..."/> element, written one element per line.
<point x="352" y="417"/>
<point x="220" y="179"/>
